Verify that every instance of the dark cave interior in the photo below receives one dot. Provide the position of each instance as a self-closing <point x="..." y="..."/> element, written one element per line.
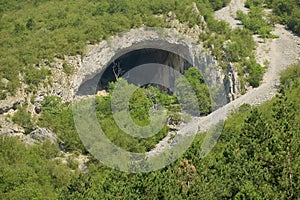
<point x="121" y="64"/>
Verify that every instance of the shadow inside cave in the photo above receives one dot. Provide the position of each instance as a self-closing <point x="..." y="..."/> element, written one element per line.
<point x="122" y="64"/>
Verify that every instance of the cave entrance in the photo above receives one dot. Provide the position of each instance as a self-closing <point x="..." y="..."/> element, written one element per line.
<point x="118" y="66"/>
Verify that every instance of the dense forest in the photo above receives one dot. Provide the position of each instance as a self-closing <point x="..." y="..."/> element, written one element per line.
<point x="256" y="156"/>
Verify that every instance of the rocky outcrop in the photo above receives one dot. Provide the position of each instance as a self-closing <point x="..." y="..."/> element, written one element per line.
<point x="10" y="104"/>
<point x="60" y="84"/>
<point x="232" y="83"/>
<point x="41" y="135"/>
<point x="38" y="135"/>
<point x="7" y="127"/>
<point x="63" y="83"/>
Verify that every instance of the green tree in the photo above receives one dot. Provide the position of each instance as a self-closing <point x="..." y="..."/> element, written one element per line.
<point x="285" y="146"/>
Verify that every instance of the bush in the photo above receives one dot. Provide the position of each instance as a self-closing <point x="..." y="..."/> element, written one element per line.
<point x="292" y="73"/>
<point x="141" y="101"/>
<point x="293" y="21"/>
<point x="23" y="118"/>
<point x="255" y="75"/>
<point x="251" y="3"/>
<point x="34" y="76"/>
<point x="59" y="118"/>
<point x="67" y="68"/>
<point x="218" y="4"/>
<point x="241" y="46"/>
<point x="255" y="21"/>
<point x="286" y="12"/>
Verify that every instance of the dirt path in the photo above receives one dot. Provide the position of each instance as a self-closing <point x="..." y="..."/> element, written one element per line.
<point x="279" y="53"/>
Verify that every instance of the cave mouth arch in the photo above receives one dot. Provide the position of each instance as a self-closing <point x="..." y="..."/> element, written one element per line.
<point x="174" y="56"/>
<point x="124" y="63"/>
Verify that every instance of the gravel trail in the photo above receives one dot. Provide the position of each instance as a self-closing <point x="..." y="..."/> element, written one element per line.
<point x="279" y="53"/>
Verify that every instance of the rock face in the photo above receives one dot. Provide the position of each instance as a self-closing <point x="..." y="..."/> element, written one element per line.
<point x="232" y="83"/>
<point x="63" y="83"/>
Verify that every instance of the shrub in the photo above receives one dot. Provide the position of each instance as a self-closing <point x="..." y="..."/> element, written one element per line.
<point x="67" y="68"/>
<point x="23" y="118"/>
<point x="255" y="75"/>
<point x="292" y="73"/>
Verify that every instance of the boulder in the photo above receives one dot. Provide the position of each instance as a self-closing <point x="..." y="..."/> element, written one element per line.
<point x="8" y="104"/>
<point x="42" y="134"/>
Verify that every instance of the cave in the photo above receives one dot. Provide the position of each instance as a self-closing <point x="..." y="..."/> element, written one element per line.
<point x="122" y="63"/>
<point x="128" y="61"/>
